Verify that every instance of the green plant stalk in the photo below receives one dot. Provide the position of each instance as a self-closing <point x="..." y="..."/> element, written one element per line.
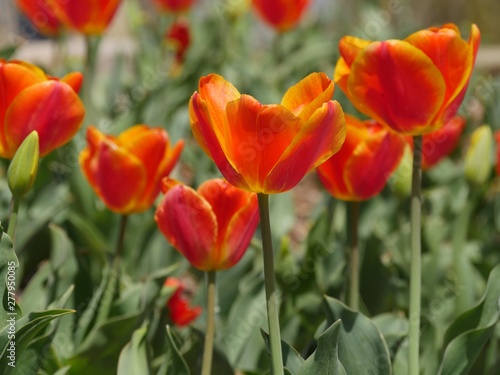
<point x="416" y="255"/>
<point x="208" y="349"/>
<point x="92" y="46"/>
<point x="354" y="258"/>
<point x="13" y="217"/>
<point x="121" y="237"/>
<point x="270" y="286"/>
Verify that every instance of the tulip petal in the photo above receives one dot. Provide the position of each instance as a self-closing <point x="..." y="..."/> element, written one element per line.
<point x="281" y="14"/>
<point x="94" y="139"/>
<point x="350" y="47"/>
<point x="237" y="218"/>
<point x="119" y="176"/>
<point x="74" y="80"/>
<point x="319" y="139"/>
<point x="398" y="85"/>
<point x="259" y="135"/>
<point x="308" y="95"/>
<point x="44" y="107"/>
<point x="206" y="135"/>
<point x="187" y="221"/>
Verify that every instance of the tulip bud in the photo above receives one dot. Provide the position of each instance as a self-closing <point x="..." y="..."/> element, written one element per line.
<point x="24" y="166"/>
<point x="400" y="181"/>
<point x="478" y="158"/>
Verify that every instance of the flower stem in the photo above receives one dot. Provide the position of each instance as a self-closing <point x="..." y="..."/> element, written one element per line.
<point x="13" y="217"/>
<point x="270" y="285"/>
<point x="354" y="259"/>
<point x="210" y="329"/>
<point x="121" y="237"/>
<point x="416" y="266"/>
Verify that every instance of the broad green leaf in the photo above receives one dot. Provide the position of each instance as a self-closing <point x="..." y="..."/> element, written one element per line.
<point x="8" y="278"/>
<point x="134" y="357"/>
<point x="325" y="360"/>
<point x="27" y="329"/>
<point x="468" y="334"/>
<point x="292" y="360"/>
<point x="362" y="348"/>
<point x="394" y="327"/>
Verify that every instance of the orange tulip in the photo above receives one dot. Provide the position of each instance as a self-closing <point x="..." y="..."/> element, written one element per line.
<point x="179" y="37"/>
<point x="281" y="14"/>
<point x="211" y="227"/>
<point x="267" y="148"/>
<point x="174" y="6"/>
<point x="369" y="155"/>
<point x="181" y="313"/>
<point x="31" y="100"/>
<point x="439" y="144"/>
<point x="126" y="171"/>
<point x="41" y="15"/>
<point x="497" y="139"/>
<point x="90" y="17"/>
<point x="415" y="85"/>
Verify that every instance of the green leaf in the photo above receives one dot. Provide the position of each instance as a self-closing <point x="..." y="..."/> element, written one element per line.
<point x="467" y="335"/>
<point x="174" y="363"/>
<point x="8" y="265"/>
<point x="362" y="348"/>
<point x="7" y="52"/>
<point x="394" y="327"/>
<point x="26" y="330"/>
<point x="292" y="360"/>
<point x="134" y="357"/>
<point x="325" y="360"/>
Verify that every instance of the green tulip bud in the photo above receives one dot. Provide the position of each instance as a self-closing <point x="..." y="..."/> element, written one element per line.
<point x="478" y="161"/>
<point x="400" y="180"/>
<point x="24" y="166"/>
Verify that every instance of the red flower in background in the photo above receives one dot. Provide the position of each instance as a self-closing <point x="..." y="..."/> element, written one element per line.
<point x="368" y="157"/>
<point x="212" y="227"/>
<point x="413" y="86"/>
<point x="31" y="100"/>
<point x="89" y="17"/>
<point x="126" y="171"/>
<point x="179" y="37"/>
<point x="41" y="15"/>
<point x="267" y="148"/>
<point x="181" y="313"/>
<point x="174" y="6"/>
<point x="281" y="14"/>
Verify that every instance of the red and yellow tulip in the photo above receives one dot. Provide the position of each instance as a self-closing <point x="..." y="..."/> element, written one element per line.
<point x="281" y="14"/>
<point x="31" y="100"/>
<point x="369" y="155"/>
<point x="267" y="148"/>
<point x="174" y="6"/>
<point x="41" y="15"/>
<point x="415" y="85"/>
<point x="90" y="17"/>
<point x="181" y="313"/>
<point x="211" y="227"/>
<point x="126" y="171"/>
<point x="179" y="37"/>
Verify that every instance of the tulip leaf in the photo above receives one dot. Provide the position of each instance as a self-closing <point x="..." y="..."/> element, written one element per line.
<point x="362" y="348"/>
<point x="134" y="357"/>
<point x="8" y="279"/>
<point x="325" y="360"/>
<point x="468" y="334"/>
<point x="26" y="330"/>
<point x="174" y="363"/>
<point x="292" y="361"/>
<point x="7" y="52"/>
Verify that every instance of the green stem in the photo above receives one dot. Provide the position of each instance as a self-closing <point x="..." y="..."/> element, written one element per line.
<point x="354" y="259"/>
<point x="121" y="237"/>
<point x="210" y="329"/>
<point x="92" y="45"/>
<point x="416" y="266"/>
<point x="270" y="286"/>
<point x="13" y="217"/>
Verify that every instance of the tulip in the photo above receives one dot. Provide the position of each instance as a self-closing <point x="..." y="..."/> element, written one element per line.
<point x="22" y="170"/>
<point x="174" y="6"/>
<point x="211" y="227"/>
<point x="126" y="171"/>
<point x="478" y="157"/>
<point x="497" y="139"/>
<point x="368" y="157"/>
<point x="267" y="148"/>
<point x="413" y="86"/>
<point x="281" y="14"/>
<point x="41" y="15"/>
<point x="179" y="37"/>
<point x="31" y="100"/>
<point x="181" y="313"/>
<point x="89" y="17"/>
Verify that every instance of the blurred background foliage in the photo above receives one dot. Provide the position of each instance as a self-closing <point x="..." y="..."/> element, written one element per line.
<point x="66" y="236"/>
